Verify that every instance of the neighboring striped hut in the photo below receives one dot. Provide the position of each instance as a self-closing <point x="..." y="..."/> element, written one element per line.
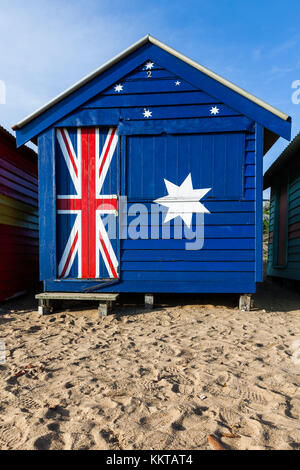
<point x="284" y="233"/>
<point x="18" y="217"/>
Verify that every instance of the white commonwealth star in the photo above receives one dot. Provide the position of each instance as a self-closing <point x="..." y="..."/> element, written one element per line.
<point x="118" y="88"/>
<point x="147" y="113"/>
<point x="182" y="201"/>
<point x="149" y="65"/>
<point x="214" y="110"/>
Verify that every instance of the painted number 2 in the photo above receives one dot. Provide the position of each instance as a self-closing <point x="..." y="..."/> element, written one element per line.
<point x="149" y="74"/>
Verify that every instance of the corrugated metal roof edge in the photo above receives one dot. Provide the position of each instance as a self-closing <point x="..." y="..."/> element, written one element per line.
<point x="129" y="50"/>
<point x="283" y="158"/>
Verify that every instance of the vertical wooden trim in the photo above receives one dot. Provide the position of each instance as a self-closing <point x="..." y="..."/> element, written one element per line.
<point x="259" y="143"/>
<point x="282" y="224"/>
<point x="123" y="145"/>
<point x="119" y="192"/>
<point x="47" y="205"/>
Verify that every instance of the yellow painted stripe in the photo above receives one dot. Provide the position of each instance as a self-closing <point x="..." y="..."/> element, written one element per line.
<point x="17" y="213"/>
<point x="17" y="222"/>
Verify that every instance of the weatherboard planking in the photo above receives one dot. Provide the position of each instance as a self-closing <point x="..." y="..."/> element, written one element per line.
<point x="186" y="266"/>
<point x="186" y="255"/>
<point x="150" y="99"/>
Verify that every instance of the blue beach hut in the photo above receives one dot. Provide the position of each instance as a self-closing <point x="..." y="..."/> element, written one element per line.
<point x="150" y="179"/>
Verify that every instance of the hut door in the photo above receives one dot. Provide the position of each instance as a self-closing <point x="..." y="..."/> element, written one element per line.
<point x="87" y="162"/>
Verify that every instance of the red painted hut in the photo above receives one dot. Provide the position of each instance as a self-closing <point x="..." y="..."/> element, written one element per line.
<point x="18" y="217"/>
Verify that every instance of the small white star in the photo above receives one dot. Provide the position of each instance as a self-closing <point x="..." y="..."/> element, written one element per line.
<point x="149" y="65"/>
<point x="147" y="113"/>
<point x="177" y="83"/>
<point x="118" y="88"/>
<point x="214" y="110"/>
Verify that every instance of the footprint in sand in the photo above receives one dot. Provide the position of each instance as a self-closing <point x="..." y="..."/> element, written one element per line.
<point x="10" y="437"/>
<point x="51" y="441"/>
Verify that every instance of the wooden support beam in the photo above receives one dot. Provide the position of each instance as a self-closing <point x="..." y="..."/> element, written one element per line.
<point x="44" y="307"/>
<point x="105" y="308"/>
<point x="149" y="301"/>
<point x="245" y="303"/>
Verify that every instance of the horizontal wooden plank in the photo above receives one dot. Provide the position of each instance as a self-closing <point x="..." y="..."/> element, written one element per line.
<point x="17" y="241"/>
<point x="250" y="170"/>
<point x="250" y="145"/>
<point x="150" y="86"/>
<point x="294" y="207"/>
<point x="8" y="211"/>
<point x="294" y="227"/>
<point x="286" y="273"/>
<point x="170" y="112"/>
<point x="9" y="176"/>
<point x="294" y="187"/>
<point x="294" y="257"/>
<point x="150" y="99"/>
<point x="16" y="232"/>
<point x="11" y="261"/>
<point x="186" y="255"/>
<point x="19" y="158"/>
<point x="5" y="183"/>
<point x="144" y="75"/>
<point x="186" y="276"/>
<point x="209" y="244"/>
<point x="18" y="171"/>
<point x="8" y="191"/>
<point x="250" y="182"/>
<point x="224" y="208"/>
<point x="294" y="196"/>
<point x="7" y="220"/>
<point x="19" y="275"/>
<point x="249" y="194"/>
<point x="77" y="296"/>
<point x="236" y="284"/>
<point x="250" y="158"/>
<point x="187" y="266"/>
<point x="172" y="126"/>
<point x="14" y="288"/>
<point x="216" y="231"/>
<point x="13" y="203"/>
<point x="294" y="234"/>
<point x="18" y="249"/>
<point x="156" y="214"/>
<point x="155" y="66"/>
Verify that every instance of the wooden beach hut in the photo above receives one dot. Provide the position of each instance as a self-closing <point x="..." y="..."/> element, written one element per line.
<point x="283" y="177"/>
<point x="183" y="147"/>
<point x="18" y="217"/>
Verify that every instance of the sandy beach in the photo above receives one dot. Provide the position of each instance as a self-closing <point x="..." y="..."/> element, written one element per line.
<point x="161" y="379"/>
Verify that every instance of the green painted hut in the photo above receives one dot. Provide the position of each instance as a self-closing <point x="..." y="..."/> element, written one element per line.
<point x="283" y="177"/>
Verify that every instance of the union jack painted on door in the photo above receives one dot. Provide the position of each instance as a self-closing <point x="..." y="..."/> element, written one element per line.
<point x="87" y="196"/>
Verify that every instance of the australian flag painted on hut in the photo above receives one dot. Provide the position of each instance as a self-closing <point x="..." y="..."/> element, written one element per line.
<point x="151" y="177"/>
